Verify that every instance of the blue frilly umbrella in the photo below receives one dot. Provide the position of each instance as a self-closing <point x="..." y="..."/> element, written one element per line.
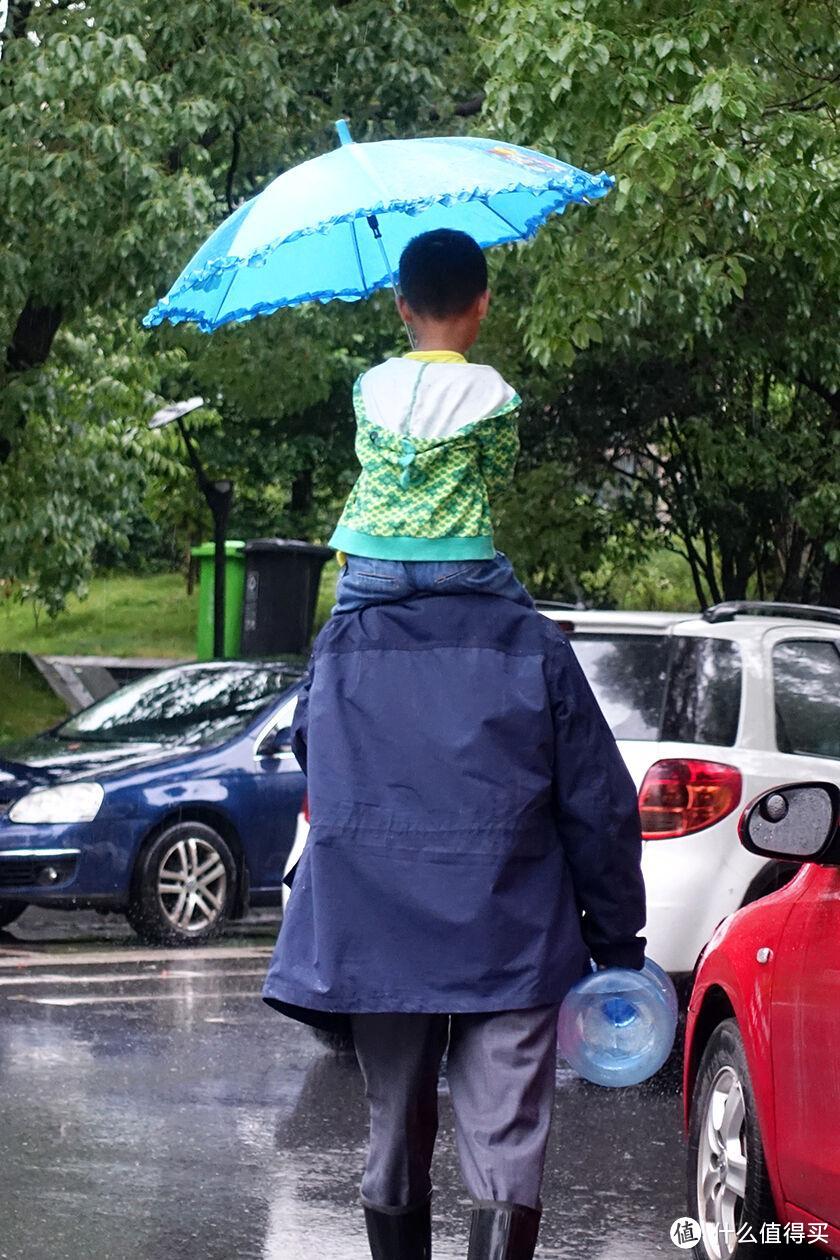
<point x="334" y="226"/>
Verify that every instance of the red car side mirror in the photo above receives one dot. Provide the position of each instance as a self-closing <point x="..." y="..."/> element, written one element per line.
<point x="797" y="822"/>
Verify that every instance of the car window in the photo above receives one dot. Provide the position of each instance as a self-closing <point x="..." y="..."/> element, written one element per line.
<point x="806" y="680"/>
<point x="282" y="719"/>
<point x="627" y="674"/>
<point x="190" y="706"/>
<point x="703" y="701"/>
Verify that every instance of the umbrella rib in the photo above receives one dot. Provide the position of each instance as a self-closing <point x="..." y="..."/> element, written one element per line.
<point x="234" y="274"/>
<point x="358" y="255"/>
<point x="507" y="222"/>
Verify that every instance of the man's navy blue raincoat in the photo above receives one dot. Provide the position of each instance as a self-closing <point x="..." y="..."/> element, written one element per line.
<point x="474" y="832"/>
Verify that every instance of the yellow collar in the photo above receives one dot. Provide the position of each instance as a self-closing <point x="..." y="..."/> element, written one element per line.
<point x="436" y="356"/>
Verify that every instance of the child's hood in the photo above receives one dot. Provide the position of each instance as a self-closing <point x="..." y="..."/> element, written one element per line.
<point x="433" y="400"/>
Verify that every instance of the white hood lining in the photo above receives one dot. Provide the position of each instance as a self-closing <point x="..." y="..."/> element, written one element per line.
<point x="449" y="396"/>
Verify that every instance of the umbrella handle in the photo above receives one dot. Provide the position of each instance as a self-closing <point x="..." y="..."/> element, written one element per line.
<point x="343" y="132"/>
<point x="373" y="224"/>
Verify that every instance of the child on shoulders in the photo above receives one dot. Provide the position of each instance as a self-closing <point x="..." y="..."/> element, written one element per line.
<point x="436" y="437"/>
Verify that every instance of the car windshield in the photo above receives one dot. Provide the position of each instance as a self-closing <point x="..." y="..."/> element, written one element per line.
<point x="192" y="705"/>
<point x="627" y="673"/>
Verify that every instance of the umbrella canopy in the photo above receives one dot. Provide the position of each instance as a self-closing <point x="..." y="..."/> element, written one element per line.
<point x="335" y="226"/>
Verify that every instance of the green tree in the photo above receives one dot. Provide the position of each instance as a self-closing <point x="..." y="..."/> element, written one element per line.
<point x="714" y="460"/>
<point x="127" y="133"/>
<point x="720" y="123"/>
<point x="76" y="470"/>
<point x="705" y="288"/>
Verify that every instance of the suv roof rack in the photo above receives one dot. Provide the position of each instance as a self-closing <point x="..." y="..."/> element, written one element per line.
<point x="733" y="608"/>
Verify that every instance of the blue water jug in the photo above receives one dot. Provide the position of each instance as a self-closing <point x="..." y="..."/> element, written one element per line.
<point x="617" y="1027"/>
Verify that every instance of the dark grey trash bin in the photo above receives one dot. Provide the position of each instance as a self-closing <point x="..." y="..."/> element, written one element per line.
<point x="282" y="577"/>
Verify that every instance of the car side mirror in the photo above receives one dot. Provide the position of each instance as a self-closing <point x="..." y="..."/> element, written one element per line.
<point x="798" y="822"/>
<point x="276" y="742"/>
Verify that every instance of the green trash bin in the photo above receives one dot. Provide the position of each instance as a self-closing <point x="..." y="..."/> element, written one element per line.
<point x="234" y="596"/>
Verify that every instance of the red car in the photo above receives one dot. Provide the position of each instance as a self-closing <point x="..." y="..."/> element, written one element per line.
<point x="762" y="1058"/>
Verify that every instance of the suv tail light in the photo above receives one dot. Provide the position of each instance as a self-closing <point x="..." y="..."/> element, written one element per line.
<point x="304" y="807"/>
<point x="679" y="797"/>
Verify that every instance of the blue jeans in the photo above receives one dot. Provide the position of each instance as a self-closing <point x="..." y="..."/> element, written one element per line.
<point x="362" y="582"/>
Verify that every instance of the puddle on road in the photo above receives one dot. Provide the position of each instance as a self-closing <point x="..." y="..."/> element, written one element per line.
<point x="211" y="1126"/>
<point x="154" y="1107"/>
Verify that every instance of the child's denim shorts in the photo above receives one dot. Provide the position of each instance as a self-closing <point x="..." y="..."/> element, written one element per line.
<point x="362" y="582"/>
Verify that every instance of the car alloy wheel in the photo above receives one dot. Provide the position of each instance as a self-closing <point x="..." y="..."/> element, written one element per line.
<point x="728" y="1183"/>
<point x="722" y="1165"/>
<point x="185" y="885"/>
<point x="192" y="885"/>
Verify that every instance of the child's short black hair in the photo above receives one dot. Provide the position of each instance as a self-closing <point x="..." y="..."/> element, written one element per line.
<point x="442" y="273"/>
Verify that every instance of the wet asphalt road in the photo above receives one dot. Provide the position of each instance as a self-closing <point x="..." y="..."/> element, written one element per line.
<point x="153" y="1108"/>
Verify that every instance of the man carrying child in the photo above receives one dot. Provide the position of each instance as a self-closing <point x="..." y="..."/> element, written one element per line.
<point x="475" y="837"/>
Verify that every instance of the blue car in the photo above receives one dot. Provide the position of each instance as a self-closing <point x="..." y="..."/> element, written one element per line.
<point x="173" y="800"/>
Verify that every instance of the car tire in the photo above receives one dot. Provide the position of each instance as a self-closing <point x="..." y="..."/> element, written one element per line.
<point x="725" y="1153"/>
<point x="185" y="886"/>
<point x="10" y="910"/>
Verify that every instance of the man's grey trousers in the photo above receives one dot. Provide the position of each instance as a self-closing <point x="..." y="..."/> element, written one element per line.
<point x="500" y="1068"/>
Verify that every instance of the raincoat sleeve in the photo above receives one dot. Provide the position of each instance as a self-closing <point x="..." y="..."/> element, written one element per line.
<point x="498" y="439"/>
<point x="598" y="818"/>
<point x="300" y="721"/>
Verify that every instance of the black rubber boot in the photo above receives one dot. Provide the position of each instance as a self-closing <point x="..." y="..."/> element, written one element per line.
<point x="400" y="1235"/>
<point x="503" y="1231"/>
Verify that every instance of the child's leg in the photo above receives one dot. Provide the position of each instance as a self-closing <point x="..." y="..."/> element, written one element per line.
<point x="362" y="582"/>
<point x="480" y="577"/>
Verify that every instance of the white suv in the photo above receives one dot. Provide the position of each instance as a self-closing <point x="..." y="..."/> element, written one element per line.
<point x="709" y="711"/>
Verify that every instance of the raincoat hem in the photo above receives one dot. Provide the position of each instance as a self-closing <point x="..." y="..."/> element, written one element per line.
<point x="304" y="1005"/>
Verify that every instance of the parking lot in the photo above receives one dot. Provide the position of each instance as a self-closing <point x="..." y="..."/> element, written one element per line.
<point x="154" y="1107"/>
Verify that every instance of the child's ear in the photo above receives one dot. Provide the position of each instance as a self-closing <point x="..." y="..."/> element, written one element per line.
<point x="483" y="304"/>
<point x="404" y="310"/>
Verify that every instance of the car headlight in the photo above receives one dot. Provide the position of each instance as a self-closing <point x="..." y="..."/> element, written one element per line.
<point x="68" y="803"/>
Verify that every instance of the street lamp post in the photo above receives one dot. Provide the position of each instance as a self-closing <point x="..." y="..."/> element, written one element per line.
<point x="218" y="495"/>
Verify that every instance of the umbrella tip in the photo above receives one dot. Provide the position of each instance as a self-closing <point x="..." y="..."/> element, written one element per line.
<point x="343" y="131"/>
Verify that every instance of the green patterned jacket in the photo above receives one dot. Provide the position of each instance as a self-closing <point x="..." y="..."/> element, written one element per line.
<point x="436" y="438"/>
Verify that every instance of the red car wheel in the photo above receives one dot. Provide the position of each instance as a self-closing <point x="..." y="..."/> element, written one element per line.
<point x="728" y="1186"/>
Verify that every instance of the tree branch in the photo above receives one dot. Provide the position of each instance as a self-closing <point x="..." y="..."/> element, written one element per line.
<point x="234" y="163"/>
<point x="466" y="109"/>
<point x="830" y="396"/>
<point x="33" y="336"/>
<point x="29" y="347"/>
<point x="19" y="17"/>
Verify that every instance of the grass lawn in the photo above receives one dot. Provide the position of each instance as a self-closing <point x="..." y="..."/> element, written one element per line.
<point x="124" y="616"/>
<point x="154" y="616"/>
<point x="27" y="705"/>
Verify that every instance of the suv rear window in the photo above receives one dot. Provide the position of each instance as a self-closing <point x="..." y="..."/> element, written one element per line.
<point x="704" y="691"/>
<point x="652" y="686"/>
<point x="806" y="679"/>
<point x="627" y="673"/>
